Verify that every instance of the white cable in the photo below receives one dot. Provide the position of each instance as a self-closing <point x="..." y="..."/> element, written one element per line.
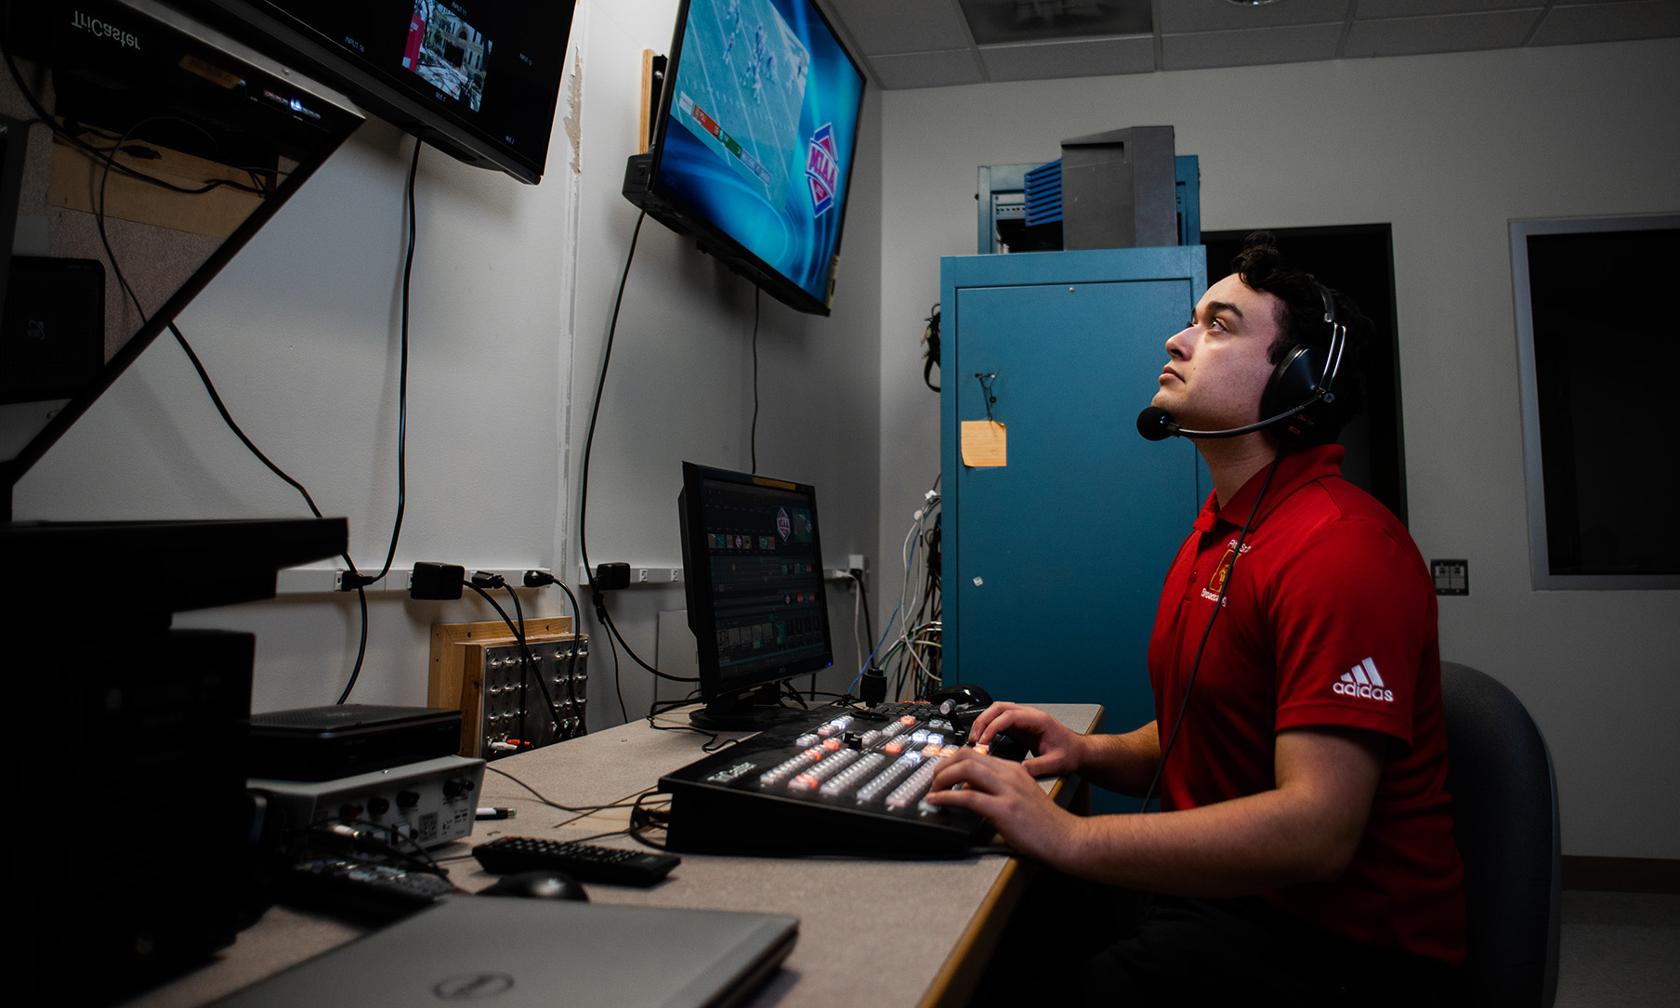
<point x="857" y="613"/>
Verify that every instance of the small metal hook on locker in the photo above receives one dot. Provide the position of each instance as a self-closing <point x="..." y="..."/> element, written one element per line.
<point x="986" y="379"/>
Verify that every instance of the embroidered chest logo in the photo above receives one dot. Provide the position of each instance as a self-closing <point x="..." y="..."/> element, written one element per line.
<point x="1362" y="681"/>
<point x="1222" y="570"/>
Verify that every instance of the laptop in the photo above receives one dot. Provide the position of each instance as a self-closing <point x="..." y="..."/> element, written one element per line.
<point x="522" y="953"/>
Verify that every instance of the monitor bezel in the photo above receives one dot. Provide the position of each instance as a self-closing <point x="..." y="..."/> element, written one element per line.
<point x="711" y="235"/>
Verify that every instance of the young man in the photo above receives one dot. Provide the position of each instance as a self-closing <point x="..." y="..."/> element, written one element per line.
<point x="1304" y="851"/>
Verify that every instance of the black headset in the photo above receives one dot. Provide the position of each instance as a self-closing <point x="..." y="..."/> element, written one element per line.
<point x="1305" y="378"/>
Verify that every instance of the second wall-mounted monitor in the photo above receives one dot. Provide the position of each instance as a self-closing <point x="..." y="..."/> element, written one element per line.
<point x="753" y="148"/>
<point x="478" y="79"/>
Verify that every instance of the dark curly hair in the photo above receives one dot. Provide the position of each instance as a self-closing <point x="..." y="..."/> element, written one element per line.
<point x="1300" y="319"/>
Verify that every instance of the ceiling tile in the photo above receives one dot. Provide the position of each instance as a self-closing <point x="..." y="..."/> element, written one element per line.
<point x="1178" y="16"/>
<point x="1448" y="33"/>
<point x="900" y="26"/>
<point x="1609" y="22"/>
<point x="927" y="69"/>
<point x="1000" y="21"/>
<point x="1370" y="10"/>
<point x="1079" y="58"/>
<point x="1295" y="44"/>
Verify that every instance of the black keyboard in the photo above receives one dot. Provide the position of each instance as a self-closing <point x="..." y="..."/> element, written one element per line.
<point x="846" y="782"/>
<point x="584" y="862"/>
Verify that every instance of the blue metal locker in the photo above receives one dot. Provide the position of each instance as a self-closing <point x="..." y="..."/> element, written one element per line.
<point x="1053" y="562"/>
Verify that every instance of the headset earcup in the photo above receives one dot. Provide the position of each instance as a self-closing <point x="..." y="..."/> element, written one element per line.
<point x="1294" y="382"/>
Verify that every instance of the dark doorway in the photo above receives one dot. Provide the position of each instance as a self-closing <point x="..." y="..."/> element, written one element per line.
<point x="1357" y="260"/>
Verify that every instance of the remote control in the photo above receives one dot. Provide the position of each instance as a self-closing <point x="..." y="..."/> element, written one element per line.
<point x="584" y="862"/>
<point x="362" y="890"/>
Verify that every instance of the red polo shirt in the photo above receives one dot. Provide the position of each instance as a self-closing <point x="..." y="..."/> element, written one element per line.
<point x="1329" y="621"/>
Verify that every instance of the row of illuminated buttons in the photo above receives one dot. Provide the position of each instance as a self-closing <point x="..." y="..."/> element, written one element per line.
<point x="844" y="769"/>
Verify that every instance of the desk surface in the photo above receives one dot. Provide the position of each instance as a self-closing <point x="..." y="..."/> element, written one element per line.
<point x="918" y="931"/>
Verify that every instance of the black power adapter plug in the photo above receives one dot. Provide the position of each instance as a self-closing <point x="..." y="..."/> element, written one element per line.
<point x="610" y="577"/>
<point x="438" y="581"/>
<point x="485" y="579"/>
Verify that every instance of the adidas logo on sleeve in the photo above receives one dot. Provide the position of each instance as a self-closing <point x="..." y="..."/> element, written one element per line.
<point x="1362" y="681"/>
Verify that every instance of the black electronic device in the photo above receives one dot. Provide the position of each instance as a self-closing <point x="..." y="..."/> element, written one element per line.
<point x="754" y="143"/>
<point x="1302" y="380"/>
<point x="342" y="740"/>
<point x="52" y="332"/>
<point x="137" y="717"/>
<point x="586" y="862"/>
<point x="360" y="890"/>
<point x="756" y="600"/>
<point x="965" y="695"/>
<point x="840" y="783"/>
<point x="478" y="79"/>
<point x="538" y="883"/>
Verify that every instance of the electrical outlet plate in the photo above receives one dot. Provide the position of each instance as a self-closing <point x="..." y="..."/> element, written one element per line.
<point x="1452" y="577"/>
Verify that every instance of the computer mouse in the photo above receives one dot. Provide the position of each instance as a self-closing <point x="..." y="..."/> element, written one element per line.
<point x="965" y="695"/>
<point x="543" y="883"/>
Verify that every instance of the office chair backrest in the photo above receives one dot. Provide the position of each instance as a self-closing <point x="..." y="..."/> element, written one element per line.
<point x="1506" y="818"/>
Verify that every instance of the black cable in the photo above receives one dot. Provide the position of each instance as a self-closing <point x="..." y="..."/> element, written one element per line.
<point x="930" y="356"/>
<point x="571" y="667"/>
<point x="524" y="654"/>
<point x="863" y="600"/>
<point x="753" y="438"/>
<point x="222" y="410"/>
<point x="528" y="663"/>
<point x="595" y="408"/>
<point x="618" y="686"/>
<point x="606" y="618"/>
<point x="551" y="803"/>
<point x="1196" y="664"/>
<point x="788" y="689"/>
<point x="571" y="683"/>
<point x="359" y="840"/>
<point x="640" y="820"/>
<point x="402" y="372"/>
<point x="542" y="579"/>
<point x="361" y="644"/>
<point x="714" y="740"/>
<point x="588" y="452"/>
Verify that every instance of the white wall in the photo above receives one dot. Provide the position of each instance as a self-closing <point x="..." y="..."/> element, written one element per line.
<point x="300" y="332"/>
<point x="680" y="385"/>
<point x="1448" y="149"/>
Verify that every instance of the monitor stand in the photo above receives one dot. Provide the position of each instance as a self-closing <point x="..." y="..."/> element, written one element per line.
<point x="755" y="710"/>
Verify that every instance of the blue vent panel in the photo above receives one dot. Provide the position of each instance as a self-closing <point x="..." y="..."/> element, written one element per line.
<point x="1043" y="192"/>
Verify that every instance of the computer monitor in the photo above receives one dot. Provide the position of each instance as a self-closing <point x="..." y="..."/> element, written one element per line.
<point x="756" y="603"/>
<point x="477" y="79"/>
<point x="754" y="143"/>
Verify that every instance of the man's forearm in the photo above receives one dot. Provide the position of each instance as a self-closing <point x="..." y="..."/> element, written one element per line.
<point x="1124" y="763"/>
<point x="1306" y="828"/>
<point x="1234" y="848"/>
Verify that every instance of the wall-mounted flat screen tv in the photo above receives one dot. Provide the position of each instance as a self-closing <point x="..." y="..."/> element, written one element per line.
<point x="477" y="79"/>
<point x="754" y="142"/>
